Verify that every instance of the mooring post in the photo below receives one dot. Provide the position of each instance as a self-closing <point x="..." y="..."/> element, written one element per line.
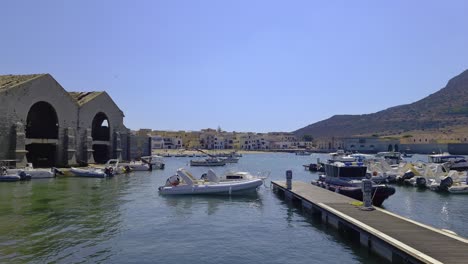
<point x="289" y="179"/>
<point x="367" y="194"/>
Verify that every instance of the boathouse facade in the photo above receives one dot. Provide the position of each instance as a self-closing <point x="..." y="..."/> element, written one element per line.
<point x="42" y="123"/>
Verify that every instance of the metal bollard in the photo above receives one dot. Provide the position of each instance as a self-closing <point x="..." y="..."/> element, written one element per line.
<point x="367" y="193"/>
<point x="289" y="179"/>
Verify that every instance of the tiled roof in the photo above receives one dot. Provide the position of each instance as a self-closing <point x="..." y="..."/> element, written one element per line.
<point x="83" y="97"/>
<point x="8" y="81"/>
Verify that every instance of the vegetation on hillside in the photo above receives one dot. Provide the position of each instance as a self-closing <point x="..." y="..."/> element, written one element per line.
<point x="444" y="109"/>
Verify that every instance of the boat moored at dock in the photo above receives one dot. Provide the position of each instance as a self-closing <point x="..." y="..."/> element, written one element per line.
<point x="346" y="178"/>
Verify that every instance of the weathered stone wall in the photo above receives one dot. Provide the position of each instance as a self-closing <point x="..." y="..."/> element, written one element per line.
<point x="15" y="104"/>
<point x="424" y="148"/>
<point x="139" y="146"/>
<point x="73" y="119"/>
<point x="458" y="149"/>
<point x="103" y="103"/>
<point x="370" y="145"/>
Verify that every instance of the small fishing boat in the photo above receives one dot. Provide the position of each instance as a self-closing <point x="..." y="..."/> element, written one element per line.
<point x="109" y="170"/>
<point x="135" y="166"/>
<point x="208" y="162"/>
<point x="406" y="155"/>
<point x="303" y="153"/>
<point x="93" y="172"/>
<point x="230" y="159"/>
<point x="314" y="167"/>
<point x="36" y="173"/>
<point x="453" y="162"/>
<point x="5" y="176"/>
<point x="459" y="188"/>
<point x="183" y="182"/>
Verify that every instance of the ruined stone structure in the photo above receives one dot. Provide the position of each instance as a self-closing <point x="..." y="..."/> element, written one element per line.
<point x="42" y="123"/>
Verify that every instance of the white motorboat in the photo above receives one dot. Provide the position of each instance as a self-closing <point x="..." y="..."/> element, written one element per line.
<point x="460" y="188"/>
<point x="157" y="162"/>
<point x="391" y="157"/>
<point x="36" y="173"/>
<point x="235" y="176"/>
<point x="340" y="156"/>
<point x="92" y="172"/>
<point x="183" y="182"/>
<point x="109" y="170"/>
<point x="230" y="159"/>
<point x="12" y="177"/>
<point x="135" y="166"/>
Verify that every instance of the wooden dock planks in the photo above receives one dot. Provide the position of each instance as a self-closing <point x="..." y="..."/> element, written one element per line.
<point x="407" y="235"/>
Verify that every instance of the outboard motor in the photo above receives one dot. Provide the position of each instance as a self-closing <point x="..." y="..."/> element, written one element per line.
<point x="3" y="170"/>
<point x="399" y="179"/>
<point x="421" y="182"/>
<point x="24" y="176"/>
<point x="445" y="183"/>
<point x="109" y="171"/>
<point x="321" y="177"/>
<point x="56" y="171"/>
<point x="408" y="175"/>
<point x="368" y="175"/>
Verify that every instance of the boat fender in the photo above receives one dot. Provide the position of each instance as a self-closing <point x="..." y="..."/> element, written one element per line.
<point x="374" y="173"/>
<point x="408" y="174"/>
<point x="109" y="171"/>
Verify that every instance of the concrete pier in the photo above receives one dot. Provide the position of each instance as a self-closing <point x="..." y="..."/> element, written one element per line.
<point x="397" y="239"/>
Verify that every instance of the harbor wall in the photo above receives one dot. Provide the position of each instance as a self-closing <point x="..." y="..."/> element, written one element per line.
<point x="424" y="148"/>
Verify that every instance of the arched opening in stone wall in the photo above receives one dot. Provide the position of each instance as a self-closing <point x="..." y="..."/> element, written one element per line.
<point x="100" y="127"/>
<point x="41" y="155"/>
<point x="42" y="123"/>
<point x="101" y="153"/>
<point x="100" y="131"/>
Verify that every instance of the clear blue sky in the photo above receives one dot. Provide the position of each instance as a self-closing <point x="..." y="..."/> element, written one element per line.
<point x="244" y="65"/>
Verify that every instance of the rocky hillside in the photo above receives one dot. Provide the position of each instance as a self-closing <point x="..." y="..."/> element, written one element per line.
<point x="446" y="108"/>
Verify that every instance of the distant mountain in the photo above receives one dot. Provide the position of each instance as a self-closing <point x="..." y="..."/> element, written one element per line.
<point x="443" y="109"/>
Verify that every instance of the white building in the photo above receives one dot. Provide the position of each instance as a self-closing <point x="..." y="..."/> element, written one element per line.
<point x="157" y="142"/>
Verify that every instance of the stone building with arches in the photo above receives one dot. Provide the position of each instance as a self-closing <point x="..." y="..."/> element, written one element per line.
<point x="42" y="123"/>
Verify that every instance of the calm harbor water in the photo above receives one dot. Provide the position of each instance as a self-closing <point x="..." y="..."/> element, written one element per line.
<point x="124" y="220"/>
